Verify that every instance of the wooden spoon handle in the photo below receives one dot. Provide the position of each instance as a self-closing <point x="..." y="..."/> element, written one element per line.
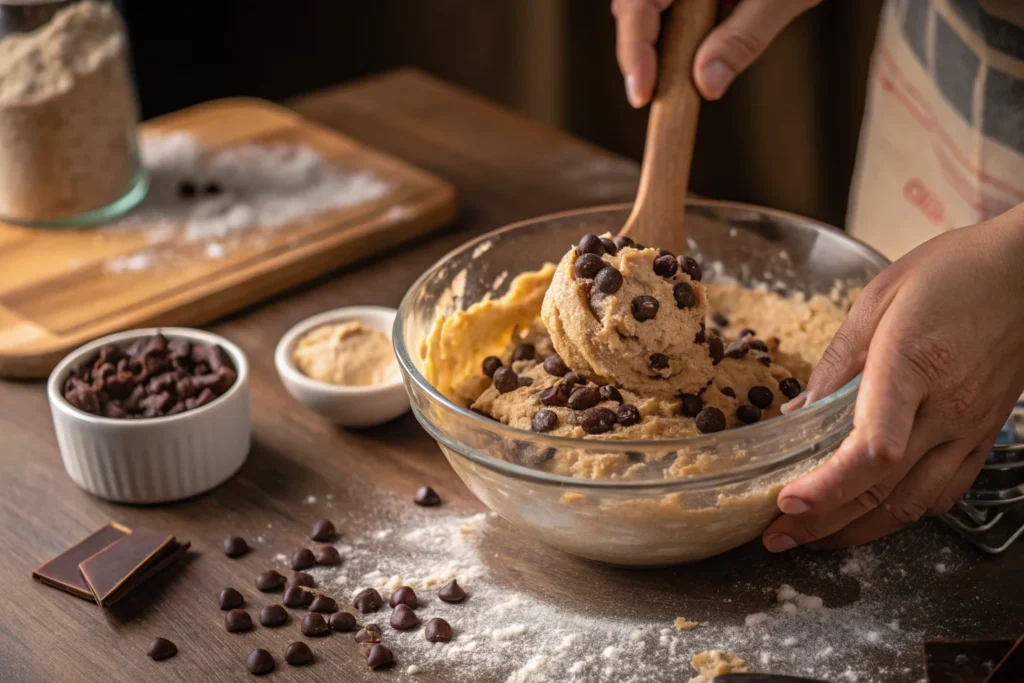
<point x="659" y="210"/>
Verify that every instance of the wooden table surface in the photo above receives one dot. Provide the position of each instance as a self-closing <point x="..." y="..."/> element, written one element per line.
<point x="505" y="168"/>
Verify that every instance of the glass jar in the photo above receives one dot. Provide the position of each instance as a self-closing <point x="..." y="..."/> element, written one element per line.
<point x="68" y="114"/>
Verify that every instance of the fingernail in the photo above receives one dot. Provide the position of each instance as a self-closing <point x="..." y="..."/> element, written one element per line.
<point x="795" y="404"/>
<point x="779" y="543"/>
<point x="717" y="76"/>
<point x="632" y="94"/>
<point x="794" y="506"/>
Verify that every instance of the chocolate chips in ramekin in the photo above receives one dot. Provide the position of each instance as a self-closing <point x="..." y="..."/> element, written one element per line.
<point x="153" y="377"/>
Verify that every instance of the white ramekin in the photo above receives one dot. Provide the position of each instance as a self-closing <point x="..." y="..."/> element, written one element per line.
<point x="160" y="459"/>
<point x="348" y="406"/>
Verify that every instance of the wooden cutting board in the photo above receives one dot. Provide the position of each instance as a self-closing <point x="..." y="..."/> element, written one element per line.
<point x="58" y="288"/>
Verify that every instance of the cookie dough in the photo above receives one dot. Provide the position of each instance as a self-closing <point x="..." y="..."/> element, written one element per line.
<point x="711" y="663"/>
<point x="347" y="354"/>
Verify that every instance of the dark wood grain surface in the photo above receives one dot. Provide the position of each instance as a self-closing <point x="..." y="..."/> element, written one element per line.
<point x="505" y="168"/>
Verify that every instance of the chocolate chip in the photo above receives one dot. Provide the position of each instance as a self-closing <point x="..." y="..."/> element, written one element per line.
<point x="161" y="648"/>
<point x="187" y="189"/>
<point x="404" y="596"/>
<point x="720" y="319"/>
<point x="737" y="349"/>
<point x="748" y="414"/>
<point x="426" y="496"/>
<point x="314" y="625"/>
<point x="761" y="397"/>
<point x="665" y="266"/>
<point x="729" y="391"/>
<point x="622" y="242"/>
<point x="557" y="395"/>
<point x="584" y="397"/>
<point x="323" y="604"/>
<point x="588" y="266"/>
<point x="237" y="620"/>
<point x="298" y="653"/>
<point x="747" y="332"/>
<point x="762" y="358"/>
<point x="491" y="365"/>
<point x="758" y="345"/>
<point x="690" y="404"/>
<point x="609" y="246"/>
<point x="342" y="621"/>
<point x="555" y="366"/>
<point x="790" y="387"/>
<point x="403" y="618"/>
<point x="369" y="634"/>
<point x="644" y="308"/>
<point x="327" y="555"/>
<point x="524" y="352"/>
<point x="716" y="349"/>
<point x="212" y="188"/>
<point x="609" y="393"/>
<point x="302" y="558"/>
<point x="710" y="420"/>
<point x="525" y="381"/>
<point x="608" y="280"/>
<point x="368" y="600"/>
<point x="506" y="380"/>
<point x="230" y="599"/>
<point x="323" y="531"/>
<point x="627" y="415"/>
<point x="684" y="296"/>
<point x="379" y="656"/>
<point x="235" y="546"/>
<point x="259" y="662"/>
<point x="297" y="596"/>
<point x="700" y="337"/>
<point x="572" y="378"/>
<point x="659" y="361"/>
<point x="301" y="579"/>
<point x="690" y="266"/>
<point x="590" y="244"/>
<point x="273" y="615"/>
<point x="544" y="421"/>
<point x="437" y="630"/>
<point x="451" y="592"/>
<point x="269" y="580"/>
<point x="664" y="252"/>
<point x="597" y="420"/>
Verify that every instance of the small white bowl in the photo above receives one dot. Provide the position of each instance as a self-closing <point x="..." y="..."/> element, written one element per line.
<point x="363" y="406"/>
<point x="160" y="459"/>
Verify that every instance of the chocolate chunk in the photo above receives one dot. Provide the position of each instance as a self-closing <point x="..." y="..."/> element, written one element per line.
<point x="426" y="497"/>
<point x="273" y="615"/>
<point x="716" y="349"/>
<point x="690" y="404"/>
<point x="761" y="397"/>
<point x="298" y="653"/>
<point x="269" y="580"/>
<point x="161" y="648"/>
<point x="297" y="596"/>
<point x="187" y="189"/>
<point x="627" y="415"/>
<point x="524" y="352"/>
<point x="327" y="555"/>
<point x="116" y="569"/>
<point x="555" y="366"/>
<point x="205" y="396"/>
<point x="544" y="421"/>
<point x="403" y="618"/>
<point x="369" y="634"/>
<point x="451" y="592"/>
<point x="609" y="246"/>
<point x="747" y="332"/>
<point x="342" y="621"/>
<point x="584" y="397"/>
<point x="684" y="295"/>
<point x="525" y="381"/>
<point x="505" y="380"/>
<point x="737" y="349"/>
<point x="762" y="358"/>
<point x="491" y="365"/>
<point x="588" y="266"/>
<point x="758" y="345"/>
<point x="659" y="361"/>
<point x="230" y="598"/>
<point x="622" y="242"/>
<point x="302" y="558"/>
<point x="379" y="656"/>
<point x="664" y="252"/>
<point x="404" y="596"/>
<point x="729" y="391"/>
<point x="237" y="620"/>
<point x="590" y="244"/>
<point x="323" y="604"/>
<point x="700" y="337"/>
<point x="572" y="378"/>
<point x="437" y="630"/>
<point x="644" y="308"/>
<point x="259" y="662"/>
<point x="690" y="266"/>
<point x="710" y="420"/>
<point x="314" y="625"/>
<point x="665" y="266"/>
<point x="720" y="319"/>
<point x="609" y="393"/>
<point x="557" y="395"/>
<point x="323" y="531"/>
<point x="301" y="579"/>
<point x="790" y="387"/>
<point x="748" y="414"/>
<point x="597" y="420"/>
<point x="608" y="280"/>
<point x="368" y="600"/>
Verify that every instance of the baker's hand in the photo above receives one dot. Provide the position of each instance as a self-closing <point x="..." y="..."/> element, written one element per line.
<point x="728" y="50"/>
<point x="938" y="336"/>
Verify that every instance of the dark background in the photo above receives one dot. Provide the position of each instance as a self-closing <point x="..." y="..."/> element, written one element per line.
<point x="785" y="136"/>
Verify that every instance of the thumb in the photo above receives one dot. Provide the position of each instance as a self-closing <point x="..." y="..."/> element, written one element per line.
<point x="741" y="39"/>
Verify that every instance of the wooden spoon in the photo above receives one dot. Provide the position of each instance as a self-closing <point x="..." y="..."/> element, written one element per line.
<point x="659" y="210"/>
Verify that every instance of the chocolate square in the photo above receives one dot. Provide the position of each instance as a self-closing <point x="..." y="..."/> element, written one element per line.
<point x="113" y="571"/>
<point x="62" y="571"/>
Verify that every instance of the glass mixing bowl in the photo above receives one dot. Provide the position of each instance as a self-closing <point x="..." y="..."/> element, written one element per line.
<point x="650" y="520"/>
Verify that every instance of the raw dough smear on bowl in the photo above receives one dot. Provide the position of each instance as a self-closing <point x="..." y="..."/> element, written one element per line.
<point x="618" y="341"/>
